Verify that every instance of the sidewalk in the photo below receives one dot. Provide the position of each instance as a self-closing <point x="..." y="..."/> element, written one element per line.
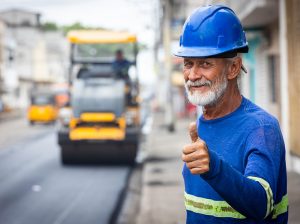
<point x="11" y="115"/>
<point x="158" y="187"/>
<point x="162" y="199"/>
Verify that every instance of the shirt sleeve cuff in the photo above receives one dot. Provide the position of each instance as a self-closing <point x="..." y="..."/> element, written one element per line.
<point x="214" y="166"/>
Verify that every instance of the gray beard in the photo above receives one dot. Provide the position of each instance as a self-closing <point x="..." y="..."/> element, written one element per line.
<point x="211" y="96"/>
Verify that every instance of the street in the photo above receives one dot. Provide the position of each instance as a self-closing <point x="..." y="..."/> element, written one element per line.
<point x="97" y="98"/>
<point x="36" y="188"/>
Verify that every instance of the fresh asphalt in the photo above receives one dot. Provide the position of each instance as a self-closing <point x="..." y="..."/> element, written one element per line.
<point x="36" y="188"/>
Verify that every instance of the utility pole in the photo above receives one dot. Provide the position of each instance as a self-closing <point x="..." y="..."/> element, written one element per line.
<point x="1" y="56"/>
<point x="284" y="77"/>
<point x="169" y="112"/>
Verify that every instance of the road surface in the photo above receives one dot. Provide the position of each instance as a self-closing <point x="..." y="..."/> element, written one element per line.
<point x="36" y="189"/>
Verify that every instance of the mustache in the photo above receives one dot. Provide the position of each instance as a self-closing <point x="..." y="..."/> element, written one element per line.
<point x="190" y="83"/>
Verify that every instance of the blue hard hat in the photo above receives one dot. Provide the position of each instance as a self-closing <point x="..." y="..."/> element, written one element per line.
<point x="211" y="31"/>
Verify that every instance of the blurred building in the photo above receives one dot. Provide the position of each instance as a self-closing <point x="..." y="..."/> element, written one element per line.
<point x="8" y="78"/>
<point x="272" y="30"/>
<point x="17" y="18"/>
<point x="36" y="57"/>
<point x="2" y="30"/>
<point x="262" y="82"/>
<point x="2" y="27"/>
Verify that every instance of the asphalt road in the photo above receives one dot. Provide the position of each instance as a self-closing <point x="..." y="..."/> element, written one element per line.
<point x="35" y="188"/>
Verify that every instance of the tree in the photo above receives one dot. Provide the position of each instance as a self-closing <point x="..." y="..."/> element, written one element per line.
<point x="50" y="26"/>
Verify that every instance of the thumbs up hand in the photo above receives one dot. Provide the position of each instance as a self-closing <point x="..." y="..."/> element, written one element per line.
<point x="196" y="155"/>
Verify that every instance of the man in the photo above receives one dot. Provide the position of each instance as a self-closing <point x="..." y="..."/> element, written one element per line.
<point x="121" y="65"/>
<point x="234" y="169"/>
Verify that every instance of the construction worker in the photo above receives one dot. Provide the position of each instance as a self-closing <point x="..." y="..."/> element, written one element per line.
<point x="234" y="170"/>
<point x="121" y="65"/>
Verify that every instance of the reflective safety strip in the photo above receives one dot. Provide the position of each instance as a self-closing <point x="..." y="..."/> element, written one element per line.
<point x="210" y="207"/>
<point x="281" y="207"/>
<point x="269" y="193"/>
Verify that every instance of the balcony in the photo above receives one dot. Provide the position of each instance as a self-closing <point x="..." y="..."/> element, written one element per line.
<point x="255" y="13"/>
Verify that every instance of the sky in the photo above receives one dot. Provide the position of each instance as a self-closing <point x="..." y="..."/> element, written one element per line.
<point x="131" y="15"/>
<point x="136" y="16"/>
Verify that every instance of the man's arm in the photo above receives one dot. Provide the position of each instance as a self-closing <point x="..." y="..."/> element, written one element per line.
<point x="245" y="195"/>
<point x="249" y="193"/>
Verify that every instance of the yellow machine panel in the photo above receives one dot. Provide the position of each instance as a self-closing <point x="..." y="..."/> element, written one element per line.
<point x="97" y="117"/>
<point x="100" y="36"/>
<point x="94" y="133"/>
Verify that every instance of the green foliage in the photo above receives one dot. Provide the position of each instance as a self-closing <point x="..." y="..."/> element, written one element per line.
<point x="74" y="26"/>
<point x="78" y="26"/>
<point x="50" y="26"/>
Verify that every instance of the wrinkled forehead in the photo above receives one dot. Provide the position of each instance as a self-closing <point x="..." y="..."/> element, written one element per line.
<point x="208" y="59"/>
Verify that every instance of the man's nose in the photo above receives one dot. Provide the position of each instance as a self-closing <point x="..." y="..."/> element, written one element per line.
<point x="195" y="73"/>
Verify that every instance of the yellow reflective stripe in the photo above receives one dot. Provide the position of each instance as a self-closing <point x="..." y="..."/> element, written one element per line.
<point x="266" y="186"/>
<point x="281" y="207"/>
<point x="210" y="207"/>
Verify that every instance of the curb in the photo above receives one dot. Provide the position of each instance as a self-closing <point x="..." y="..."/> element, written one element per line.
<point x="130" y="200"/>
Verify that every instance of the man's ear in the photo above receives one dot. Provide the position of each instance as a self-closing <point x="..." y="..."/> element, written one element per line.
<point x="234" y="68"/>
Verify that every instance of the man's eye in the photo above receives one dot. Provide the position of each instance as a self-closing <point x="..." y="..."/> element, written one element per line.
<point x="188" y="64"/>
<point x="206" y="64"/>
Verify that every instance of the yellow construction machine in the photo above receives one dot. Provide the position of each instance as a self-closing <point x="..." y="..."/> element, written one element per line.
<point x="104" y="124"/>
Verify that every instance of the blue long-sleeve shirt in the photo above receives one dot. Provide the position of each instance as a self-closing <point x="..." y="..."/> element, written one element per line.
<point x="247" y="180"/>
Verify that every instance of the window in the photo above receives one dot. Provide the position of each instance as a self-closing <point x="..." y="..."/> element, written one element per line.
<point x="273" y="78"/>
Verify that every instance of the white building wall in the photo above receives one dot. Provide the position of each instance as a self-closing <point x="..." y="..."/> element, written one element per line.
<point x="57" y="55"/>
<point x="244" y="82"/>
<point x="40" y="70"/>
<point x="2" y="33"/>
<point x="39" y="56"/>
<point x="192" y="5"/>
<point x="20" y="17"/>
<point x="262" y="82"/>
<point x="26" y="39"/>
<point x="273" y="50"/>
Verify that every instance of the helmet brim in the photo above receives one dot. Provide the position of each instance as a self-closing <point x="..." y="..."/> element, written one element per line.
<point x="193" y="52"/>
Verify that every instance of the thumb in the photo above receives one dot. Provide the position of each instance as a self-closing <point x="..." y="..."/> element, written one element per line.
<point x="193" y="132"/>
